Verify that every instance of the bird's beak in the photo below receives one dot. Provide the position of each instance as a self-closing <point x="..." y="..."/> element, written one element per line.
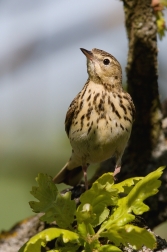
<point x="88" y="54"/>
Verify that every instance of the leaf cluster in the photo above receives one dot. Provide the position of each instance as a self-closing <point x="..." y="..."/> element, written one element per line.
<point x="103" y="219"/>
<point x="160" y="19"/>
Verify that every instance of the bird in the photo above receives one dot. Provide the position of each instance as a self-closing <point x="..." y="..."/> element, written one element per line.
<point x="99" y="120"/>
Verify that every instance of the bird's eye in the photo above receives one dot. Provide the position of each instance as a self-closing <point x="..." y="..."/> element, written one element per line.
<point x="106" y="61"/>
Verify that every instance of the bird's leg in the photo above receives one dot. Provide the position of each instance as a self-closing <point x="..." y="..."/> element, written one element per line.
<point x="84" y="169"/>
<point x="117" y="170"/>
<point x="118" y="165"/>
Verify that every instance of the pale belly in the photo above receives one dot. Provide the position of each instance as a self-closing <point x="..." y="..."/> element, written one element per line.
<point x="99" y="143"/>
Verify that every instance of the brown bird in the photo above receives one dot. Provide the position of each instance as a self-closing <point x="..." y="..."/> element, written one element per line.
<point x="99" y="119"/>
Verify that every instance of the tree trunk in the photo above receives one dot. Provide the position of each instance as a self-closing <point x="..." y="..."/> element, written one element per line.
<point x="142" y="82"/>
<point x="147" y="149"/>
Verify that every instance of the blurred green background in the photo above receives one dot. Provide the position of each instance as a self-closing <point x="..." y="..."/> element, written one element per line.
<point x="41" y="71"/>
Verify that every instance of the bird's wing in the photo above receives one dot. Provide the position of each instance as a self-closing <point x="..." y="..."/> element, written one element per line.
<point x="74" y="108"/>
<point x="70" y="114"/>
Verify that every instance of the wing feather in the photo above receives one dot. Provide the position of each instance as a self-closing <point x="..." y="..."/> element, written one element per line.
<point x="75" y="108"/>
<point x="71" y="113"/>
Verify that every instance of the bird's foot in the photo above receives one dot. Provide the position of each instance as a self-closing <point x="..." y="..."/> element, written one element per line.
<point x="116" y="171"/>
<point x="84" y="168"/>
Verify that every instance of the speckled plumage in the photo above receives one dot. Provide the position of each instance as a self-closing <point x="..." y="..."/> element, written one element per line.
<point x="99" y="119"/>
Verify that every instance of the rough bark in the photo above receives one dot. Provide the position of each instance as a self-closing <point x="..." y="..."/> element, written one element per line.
<point x="142" y="79"/>
<point x="12" y="240"/>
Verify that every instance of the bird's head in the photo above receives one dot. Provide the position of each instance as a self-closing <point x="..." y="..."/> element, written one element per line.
<point x="103" y="68"/>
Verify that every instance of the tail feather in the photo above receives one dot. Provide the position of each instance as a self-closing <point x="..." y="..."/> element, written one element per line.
<point x="69" y="177"/>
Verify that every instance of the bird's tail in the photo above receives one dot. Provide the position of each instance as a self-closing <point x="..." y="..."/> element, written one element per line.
<point x="69" y="177"/>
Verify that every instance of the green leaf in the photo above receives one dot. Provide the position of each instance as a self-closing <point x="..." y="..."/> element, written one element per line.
<point x="85" y="214"/>
<point x="52" y="203"/>
<point x="145" y="188"/>
<point x="53" y="250"/>
<point x="93" y="211"/>
<point x="94" y="202"/>
<point x="109" y="248"/>
<point x="132" y="203"/>
<point x="127" y="185"/>
<point x="85" y="229"/>
<point x="41" y="239"/>
<point x="88" y="238"/>
<point x="133" y="235"/>
<point x="161" y="23"/>
<point x="105" y="179"/>
<point x="69" y="247"/>
<point x="46" y="193"/>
